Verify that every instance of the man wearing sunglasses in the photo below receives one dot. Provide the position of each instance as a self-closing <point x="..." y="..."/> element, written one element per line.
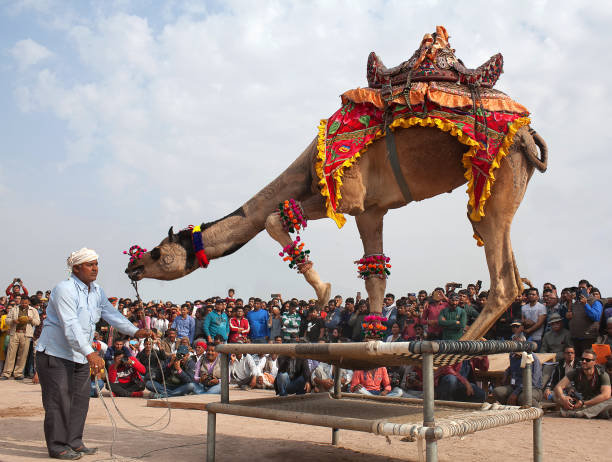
<point x="585" y="391"/>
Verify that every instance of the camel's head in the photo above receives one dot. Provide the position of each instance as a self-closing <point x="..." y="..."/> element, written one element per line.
<point x="173" y="258"/>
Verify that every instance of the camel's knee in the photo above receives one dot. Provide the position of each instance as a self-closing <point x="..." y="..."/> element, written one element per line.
<point x="275" y="229"/>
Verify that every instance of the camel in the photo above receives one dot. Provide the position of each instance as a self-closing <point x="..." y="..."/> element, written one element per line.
<point x="430" y="161"/>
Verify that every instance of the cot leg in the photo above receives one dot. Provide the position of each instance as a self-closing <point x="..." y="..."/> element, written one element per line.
<point x="224" y="378"/>
<point x="537" y="440"/>
<point x="211" y="431"/>
<point x="336" y="394"/>
<point x="428" y="406"/>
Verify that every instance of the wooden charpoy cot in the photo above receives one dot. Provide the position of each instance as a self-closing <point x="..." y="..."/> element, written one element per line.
<point x="381" y="415"/>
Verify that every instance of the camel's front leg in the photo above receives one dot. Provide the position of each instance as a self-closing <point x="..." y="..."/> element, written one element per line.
<point x="313" y="209"/>
<point x="370" y="225"/>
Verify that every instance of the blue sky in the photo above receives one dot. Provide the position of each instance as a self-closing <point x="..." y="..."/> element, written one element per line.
<point x="123" y="118"/>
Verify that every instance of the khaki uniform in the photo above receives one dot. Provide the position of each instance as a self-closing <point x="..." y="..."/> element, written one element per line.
<point x="21" y="337"/>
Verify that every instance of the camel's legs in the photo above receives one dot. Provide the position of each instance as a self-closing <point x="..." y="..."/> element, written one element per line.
<point x="494" y="229"/>
<point x="370" y="225"/>
<point x="314" y="209"/>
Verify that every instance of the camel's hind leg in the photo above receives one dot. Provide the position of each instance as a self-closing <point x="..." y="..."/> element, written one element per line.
<point x="370" y="225"/>
<point x="494" y="229"/>
<point x="314" y="209"/>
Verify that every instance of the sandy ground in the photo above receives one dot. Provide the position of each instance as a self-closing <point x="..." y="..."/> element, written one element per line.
<point x="244" y="439"/>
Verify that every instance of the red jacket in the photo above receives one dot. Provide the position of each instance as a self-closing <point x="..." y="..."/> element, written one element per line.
<point x="480" y="363"/>
<point x="11" y="295"/>
<point x="126" y="374"/>
<point x="235" y="334"/>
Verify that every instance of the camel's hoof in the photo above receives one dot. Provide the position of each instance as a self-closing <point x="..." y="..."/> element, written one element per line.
<point x="324" y="295"/>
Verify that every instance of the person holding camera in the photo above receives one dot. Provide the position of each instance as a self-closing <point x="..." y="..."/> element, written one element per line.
<point x="21" y="320"/>
<point x="585" y="391"/>
<point x="584" y="316"/>
<point x="15" y="289"/>
<point x="125" y="376"/>
<point x="152" y="359"/>
<point x="178" y="372"/>
<point x="207" y="375"/>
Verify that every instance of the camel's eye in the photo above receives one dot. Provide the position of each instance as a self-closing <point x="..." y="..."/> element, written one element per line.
<point x="155" y="253"/>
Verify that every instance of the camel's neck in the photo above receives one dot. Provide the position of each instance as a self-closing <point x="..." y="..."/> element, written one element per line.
<point x="225" y="236"/>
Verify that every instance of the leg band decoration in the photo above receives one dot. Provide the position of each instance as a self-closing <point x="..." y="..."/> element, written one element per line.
<point x="292" y="216"/>
<point x="296" y="255"/>
<point x="375" y="265"/>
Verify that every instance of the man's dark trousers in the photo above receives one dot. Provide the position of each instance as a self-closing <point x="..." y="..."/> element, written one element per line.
<point x="65" y="396"/>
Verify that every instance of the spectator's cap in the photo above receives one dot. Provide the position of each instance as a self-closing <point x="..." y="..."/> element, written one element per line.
<point x="219" y="301"/>
<point x="201" y="344"/>
<point x="516" y="322"/>
<point x="183" y="350"/>
<point x="555" y="317"/>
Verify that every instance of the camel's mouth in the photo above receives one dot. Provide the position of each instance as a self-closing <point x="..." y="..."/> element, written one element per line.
<point x="135" y="274"/>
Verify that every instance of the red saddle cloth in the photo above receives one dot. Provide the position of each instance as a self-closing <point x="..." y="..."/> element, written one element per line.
<point x="434" y="61"/>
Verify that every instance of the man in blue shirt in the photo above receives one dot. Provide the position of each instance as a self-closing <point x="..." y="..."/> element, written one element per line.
<point x="184" y="324"/>
<point x="65" y="357"/>
<point x="216" y="323"/>
<point x="258" y="320"/>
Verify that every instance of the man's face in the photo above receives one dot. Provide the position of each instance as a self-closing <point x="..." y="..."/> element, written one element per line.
<point x="118" y="345"/>
<point x="350" y="306"/>
<point x="172" y="336"/>
<point x="556" y="326"/>
<point x="454" y="302"/>
<point x="211" y="354"/>
<point x="17" y="300"/>
<point x="569" y="354"/>
<point x="278" y="340"/>
<point x="184" y="311"/>
<point x="422" y="297"/>
<point x="231" y="305"/>
<point x="464" y="299"/>
<point x="86" y="272"/>
<point x="472" y="290"/>
<point x="401" y="310"/>
<point x="338" y="301"/>
<point x="24" y="303"/>
<point x="200" y="349"/>
<point x="388" y="301"/>
<point x="239" y="312"/>
<point x="219" y="307"/>
<point x="148" y="345"/>
<point x="588" y="362"/>
<point x="532" y="296"/>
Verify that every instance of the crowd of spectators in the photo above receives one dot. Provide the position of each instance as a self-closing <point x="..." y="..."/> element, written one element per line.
<point x="575" y="326"/>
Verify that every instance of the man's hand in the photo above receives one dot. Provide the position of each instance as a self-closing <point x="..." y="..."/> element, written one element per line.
<point x="569" y="315"/>
<point x="144" y="333"/>
<point x="469" y="390"/>
<point x="384" y="392"/>
<point x="307" y="387"/>
<point x="358" y="387"/>
<point x="96" y="363"/>
<point x="547" y="393"/>
<point x="566" y="402"/>
<point x="512" y="399"/>
<point x="209" y="338"/>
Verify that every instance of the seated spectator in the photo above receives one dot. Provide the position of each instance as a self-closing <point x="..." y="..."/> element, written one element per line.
<point x="334" y="336"/>
<point x="395" y="335"/>
<point x="243" y="371"/>
<point x="557" y="338"/>
<point x="411" y="382"/>
<point x="99" y="344"/>
<point x="118" y="345"/>
<point x="269" y="370"/>
<point x="589" y="396"/>
<point x="452" y="319"/>
<point x="457" y="382"/>
<point x="606" y="339"/>
<point x="179" y="375"/>
<point x="239" y="327"/>
<point x="292" y="377"/>
<point x="372" y="382"/>
<point x="322" y="378"/>
<point x="200" y="351"/>
<point x="170" y="343"/>
<point x="152" y="359"/>
<point x="512" y="392"/>
<point x="207" y="376"/>
<point x="568" y="363"/>
<point x="124" y="375"/>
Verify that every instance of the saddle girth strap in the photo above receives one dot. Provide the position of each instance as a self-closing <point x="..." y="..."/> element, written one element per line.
<point x="395" y="165"/>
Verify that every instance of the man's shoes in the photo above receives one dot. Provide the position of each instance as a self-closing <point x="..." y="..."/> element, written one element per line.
<point x="18" y="378"/>
<point x="68" y="454"/>
<point x="86" y="451"/>
<point x="4" y="378"/>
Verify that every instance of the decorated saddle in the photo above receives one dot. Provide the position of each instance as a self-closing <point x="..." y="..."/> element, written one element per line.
<point x="434" y="61"/>
<point x="449" y="97"/>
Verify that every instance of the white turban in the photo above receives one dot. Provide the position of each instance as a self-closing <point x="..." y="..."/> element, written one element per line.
<point x="81" y="256"/>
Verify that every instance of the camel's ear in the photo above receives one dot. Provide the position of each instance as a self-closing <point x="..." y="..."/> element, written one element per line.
<point x="170" y="234"/>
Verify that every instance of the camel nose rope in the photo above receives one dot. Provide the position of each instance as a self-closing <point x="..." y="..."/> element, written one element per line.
<point x="135" y="286"/>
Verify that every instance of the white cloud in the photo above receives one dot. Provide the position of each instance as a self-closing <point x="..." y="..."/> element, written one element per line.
<point x="27" y="53"/>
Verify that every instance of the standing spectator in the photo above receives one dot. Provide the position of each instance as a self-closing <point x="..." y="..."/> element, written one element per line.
<point x="357" y="320"/>
<point x="275" y="323"/>
<point x="503" y="326"/>
<point x="396" y="334"/>
<point x="605" y="339"/>
<point x="557" y="338"/>
<point x="21" y="321"/>
<point x="452" y="319"/>
<point x="185" y="324"/>
<point x="534" y="317"/>
<point x="160" y="323"/>
<point x="464" y="302"/>
<point x="349" y="309"/>
<point x="334" y="316"/>
<point x="313" y="327"/>
<point x="258" y="320"/>
<point x="291" y="322"/>
<point x="584" y="318"/>
<point x="142" y="320"/>
<point x="199" y="323"/>
<point x="389" y="309"/>
<point x="16" y="289"/>
<point x="216" y="323"/>
<point x="4" y="330"/>
<point x="125" y="376"/>
<point x="431" y="314"/>
<point x="589" y="387"/>
<point x="239" y="326"/>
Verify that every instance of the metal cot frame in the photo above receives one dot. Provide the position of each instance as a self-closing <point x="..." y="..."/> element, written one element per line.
<point x="371" y="354"/>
